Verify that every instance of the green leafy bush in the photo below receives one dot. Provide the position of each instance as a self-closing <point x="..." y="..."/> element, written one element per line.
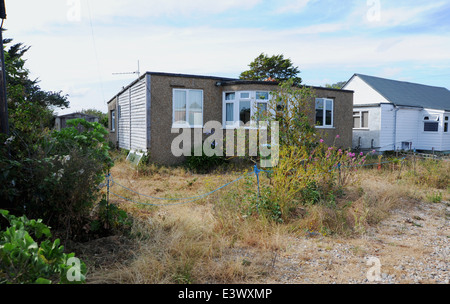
<point x="56" y="177"/>
<point x="24" y="260"/>
<point x="203" y="163"/>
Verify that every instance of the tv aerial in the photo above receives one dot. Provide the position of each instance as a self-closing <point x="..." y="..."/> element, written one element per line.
<point x="127" y="73"/>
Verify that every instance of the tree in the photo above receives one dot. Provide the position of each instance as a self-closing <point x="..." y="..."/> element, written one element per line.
<point x="275" y="68"/>
<point x="337" y="85"/>
<point x="102" y="117"/>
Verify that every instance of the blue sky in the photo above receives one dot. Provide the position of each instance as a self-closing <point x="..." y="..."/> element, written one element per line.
<point x="77" y="45"/>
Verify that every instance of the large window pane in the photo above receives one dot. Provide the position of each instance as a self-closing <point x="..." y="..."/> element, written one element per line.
<point x="179" y="106"/>
<point x="356" y="122"/>
<point x="195" y="108"/>
<point x="329" y="113"/>
<point x="261" y="107"/>
<point x="244" y="111"/>
<point x="365" y="119"/>
<point x="431" y="126"/>
<point x="229" y="113"/>
<point x="319" y="112"/>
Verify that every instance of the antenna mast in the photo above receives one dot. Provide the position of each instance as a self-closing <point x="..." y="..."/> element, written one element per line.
<point x="138" y="72"/>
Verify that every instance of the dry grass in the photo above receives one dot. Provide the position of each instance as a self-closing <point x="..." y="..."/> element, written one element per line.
<point x="213" y="241"/>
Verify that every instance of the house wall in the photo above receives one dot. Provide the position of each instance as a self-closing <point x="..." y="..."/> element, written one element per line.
<point x="431" y="140"/>
<point x="342" y="117"/>
<point x="132" y="123"/>
<point x="368" y="139"/>
<point x="364" y="94"/>
<point x="161" y="112"/>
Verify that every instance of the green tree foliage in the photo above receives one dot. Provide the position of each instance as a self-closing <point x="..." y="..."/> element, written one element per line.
<point x="51" y="175"/>
<point x="275" y="68"/>
<point x="102" y="117"/>
<point x="337" y="85"/>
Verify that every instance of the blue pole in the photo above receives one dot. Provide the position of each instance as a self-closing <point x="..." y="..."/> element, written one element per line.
<point x="257" y="178"/>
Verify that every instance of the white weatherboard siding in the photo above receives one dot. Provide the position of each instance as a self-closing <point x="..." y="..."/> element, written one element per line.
<point x="133" y="117"/>
<point x="139" y="116"/>
<point x="364" y="94"/>
<point x="368" y="138"/>
<point x="407" y="127"/>
<point x="387" y="125"/>
<point x="123" y="105"/>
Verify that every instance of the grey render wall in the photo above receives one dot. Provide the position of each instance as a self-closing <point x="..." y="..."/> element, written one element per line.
<point x="161" y="112"/>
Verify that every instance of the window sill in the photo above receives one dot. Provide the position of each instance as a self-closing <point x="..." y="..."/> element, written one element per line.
<point x="361" y="129"/>
<point x="322" y="127"/>
<point x="186" y="127"/>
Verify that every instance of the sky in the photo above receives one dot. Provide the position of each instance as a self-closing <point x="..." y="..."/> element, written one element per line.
<point x="79" y="46"/>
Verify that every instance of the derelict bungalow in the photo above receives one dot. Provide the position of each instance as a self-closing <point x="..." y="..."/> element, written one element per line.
<point x="144" y="113"/>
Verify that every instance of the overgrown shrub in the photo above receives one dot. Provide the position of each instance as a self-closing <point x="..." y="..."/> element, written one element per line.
<point x="24" y="260"/>
<point x="203" y="163"/>
<point x="56" y="177"/>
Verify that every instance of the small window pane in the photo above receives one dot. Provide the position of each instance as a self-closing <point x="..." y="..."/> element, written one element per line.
<point x="446" y="127"/>
<point x="245" y="95"/>
<point x="244" y="111"/>
<point x="262" y="95"/>
<point x="329" y="112"/>
<point x="431" y="126"/>
<point x="230" y="96"/>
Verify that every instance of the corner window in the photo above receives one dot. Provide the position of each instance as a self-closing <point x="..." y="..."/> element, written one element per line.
<point x="446" y="124"/>
<point x="324" y="112"/>
<point x="187" y="108"/>
<point x="240" y="107"/>
<point x="361" y="120"/>
<point x="113" y="120"/>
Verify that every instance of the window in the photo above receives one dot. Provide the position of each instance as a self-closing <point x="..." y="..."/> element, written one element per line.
<point x="187" y="108"/>
<point x="431" y="124"/>
<point x="324" y="112"/>
<point x="240" y="107"/>
<point x="446" y="124"/>
<point x="361" y="120"/>
<point x="113" y="120"/>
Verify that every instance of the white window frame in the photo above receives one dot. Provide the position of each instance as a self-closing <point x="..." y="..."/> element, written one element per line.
<point x="324" y="125"/>
<point x="185" y="124"/>
<point x="431" y="119"/>
<point x="253" y="108"/>
<point x="359" y="114"/>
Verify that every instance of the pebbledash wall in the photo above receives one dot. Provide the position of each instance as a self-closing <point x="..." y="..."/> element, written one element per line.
<point x="141" y="114"/>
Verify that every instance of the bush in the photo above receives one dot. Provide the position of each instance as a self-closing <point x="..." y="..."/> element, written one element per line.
<point x="57" y="178"/>
<point x="203" y="163"/>
<point x="23" y="260"/>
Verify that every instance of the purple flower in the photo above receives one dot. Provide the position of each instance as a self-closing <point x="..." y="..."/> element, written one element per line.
<point x="321" y="140"/>
<point x="337" y="136"/>
<point x="361" y="154"/>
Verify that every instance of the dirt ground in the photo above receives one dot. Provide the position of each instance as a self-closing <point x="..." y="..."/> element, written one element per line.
<point x="412" y="246"/>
